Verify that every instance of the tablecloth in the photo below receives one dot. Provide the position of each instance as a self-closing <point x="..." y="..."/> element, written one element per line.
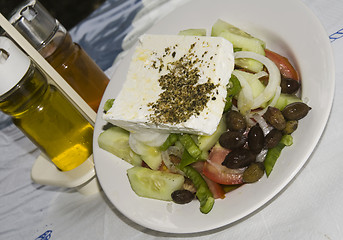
<point x="309" y="208"/>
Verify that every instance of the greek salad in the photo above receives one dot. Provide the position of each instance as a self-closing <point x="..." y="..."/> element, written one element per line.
<point x="263" y="107"/>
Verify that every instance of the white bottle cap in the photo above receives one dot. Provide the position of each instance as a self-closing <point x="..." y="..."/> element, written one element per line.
<point x="13" y="64"/>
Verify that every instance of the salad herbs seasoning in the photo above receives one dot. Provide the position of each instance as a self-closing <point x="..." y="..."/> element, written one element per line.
<point x="182" y="95"/>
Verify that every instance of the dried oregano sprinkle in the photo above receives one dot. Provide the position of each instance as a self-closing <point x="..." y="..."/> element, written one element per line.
<point x="182" y="95"/>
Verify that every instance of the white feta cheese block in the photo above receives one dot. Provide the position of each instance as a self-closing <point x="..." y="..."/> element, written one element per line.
<point x="174" y="84"/>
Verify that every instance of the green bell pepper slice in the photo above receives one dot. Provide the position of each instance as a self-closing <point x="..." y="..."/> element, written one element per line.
<point x="234" y="87"/>
<point x="203" y="193"/>
<point x="171" y="140"/>
<point x="189" y="144"/>
<point x="274" y="153"/>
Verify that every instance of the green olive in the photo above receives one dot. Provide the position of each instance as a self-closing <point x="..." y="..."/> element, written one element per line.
<point x="291" y="126"/>
<point x="253" y="173"/>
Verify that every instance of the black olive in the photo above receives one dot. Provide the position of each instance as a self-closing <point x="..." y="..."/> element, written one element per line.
<point x="238" y="158"/>
<point x="291" y="126"/>
<point x="295" y="111"/>
<point x="182" y="196"/>
<point x="289" y="85"/>
<point x="256" y="139"/>
<point x="235" y="121"/>
<point x="253" y="173"/>
<point x="272" y="138"/>
<point x="232" y="140"/>
<point x="275" y="118"/>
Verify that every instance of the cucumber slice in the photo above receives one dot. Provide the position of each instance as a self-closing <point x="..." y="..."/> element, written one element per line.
<point x="193" y="32"/>
<point x="150" y="155"/>
<point x="240" y="40"/>
<point x="154" y="184"/>
<point x="116" y="141"/>
<point x="222" y="26"/>
<point x="246" y="44"/>
<point x="205" y="143"/>
<point x="286" y="99"/>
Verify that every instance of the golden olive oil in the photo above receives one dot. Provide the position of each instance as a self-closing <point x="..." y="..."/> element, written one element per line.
<point x="47" y="117"/>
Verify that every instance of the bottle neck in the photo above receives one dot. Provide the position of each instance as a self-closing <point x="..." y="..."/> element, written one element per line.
<point x="57" y="38"/>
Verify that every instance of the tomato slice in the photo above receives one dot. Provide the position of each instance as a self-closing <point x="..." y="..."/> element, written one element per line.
<point x="285" y="67"/>
<point x="218" y="154"/>
<point x="222" y="175"/>
<point x="219" y="173"/>
<point x="216" y="189"/>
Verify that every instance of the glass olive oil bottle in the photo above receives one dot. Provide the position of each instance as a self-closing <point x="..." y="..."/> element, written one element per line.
<point x="55" y="44"/>
<point x="41" y="111"/>
<point x="79" y="70"/>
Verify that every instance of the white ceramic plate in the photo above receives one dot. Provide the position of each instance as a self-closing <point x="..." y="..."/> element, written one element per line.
<point x="288" y="28"/>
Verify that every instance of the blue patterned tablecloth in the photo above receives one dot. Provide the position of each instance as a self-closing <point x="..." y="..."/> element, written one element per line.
<point x="311" y="209"/>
